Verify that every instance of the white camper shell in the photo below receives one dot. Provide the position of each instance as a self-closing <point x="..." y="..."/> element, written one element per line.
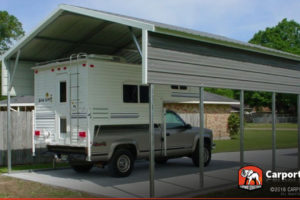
<point x="73" y="96"/>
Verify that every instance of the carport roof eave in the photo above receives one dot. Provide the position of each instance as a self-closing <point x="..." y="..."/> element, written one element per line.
<point x="23" y="41"/>
<point x="79" y="11"/>
<point x="223" y="41"/>
<point x="136" y="23"/>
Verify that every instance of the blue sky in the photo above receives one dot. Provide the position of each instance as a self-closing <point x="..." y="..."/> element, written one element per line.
<point x="237" y="19"/>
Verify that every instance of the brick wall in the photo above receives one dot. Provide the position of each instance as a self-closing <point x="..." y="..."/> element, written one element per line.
<point x="216" y="116"/>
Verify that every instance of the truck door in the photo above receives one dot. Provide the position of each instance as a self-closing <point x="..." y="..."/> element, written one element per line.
<point x="62" y="107"/>
<point x="178" y="136"/>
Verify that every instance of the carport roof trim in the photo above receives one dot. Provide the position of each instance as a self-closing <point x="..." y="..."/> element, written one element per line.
<point x="150" y="26"/>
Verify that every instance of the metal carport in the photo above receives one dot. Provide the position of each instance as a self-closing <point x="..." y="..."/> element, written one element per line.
<point x="168" y="54"/>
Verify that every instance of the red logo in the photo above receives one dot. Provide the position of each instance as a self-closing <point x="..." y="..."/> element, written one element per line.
<point x="250" y="178"/>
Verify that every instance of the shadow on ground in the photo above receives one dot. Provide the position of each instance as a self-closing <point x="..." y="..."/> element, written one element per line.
<point x="174" y="167"/>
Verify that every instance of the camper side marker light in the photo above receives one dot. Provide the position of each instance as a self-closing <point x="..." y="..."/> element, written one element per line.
<point x="83" y="64"/>
<point x="58" y="69"/>
<point x="37" y="133"/>
<point x="65" y="68"/>
<point x="92" y="66"/>
<point x="36" y="71"/>
<point x="82" y="134"/>
<point x="52" y="70"/>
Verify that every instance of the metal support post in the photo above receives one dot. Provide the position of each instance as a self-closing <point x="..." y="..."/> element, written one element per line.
<point x="201" y="137"/>
<point x="89" y="150"/>
<point x="10" y="78"/>
<point x="32" y="134"/>
<point x="242" y="128"/>
<point x="135" y="41"/>
<point x="298" y="131"/>
<point x="144" y="56"/>
<point x="273" y="131"/>
<point x="151" y="139"/>
<point x="14" y="71"/>
<point x="164" y="130"/>
<point x="8" y="133"/>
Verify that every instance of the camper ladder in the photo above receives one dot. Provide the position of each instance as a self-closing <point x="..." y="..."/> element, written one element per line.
<point x="74" y="85"/>
<point x="73" y="56"/>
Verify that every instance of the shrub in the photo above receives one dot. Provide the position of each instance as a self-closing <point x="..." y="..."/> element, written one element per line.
<point x="233" y="124"/>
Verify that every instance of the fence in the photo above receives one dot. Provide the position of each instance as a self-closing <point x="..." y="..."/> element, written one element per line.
<point x="21" y="140"/>
<point x="267" y="118"/>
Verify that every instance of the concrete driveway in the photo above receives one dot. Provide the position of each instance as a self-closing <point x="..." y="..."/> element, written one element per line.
<point x="177" y="178"/>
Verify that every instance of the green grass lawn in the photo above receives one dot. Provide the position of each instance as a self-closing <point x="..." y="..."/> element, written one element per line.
<point x="258" y="139"/>
<point x="33" y="166"/>
<point x="279" y="125"/>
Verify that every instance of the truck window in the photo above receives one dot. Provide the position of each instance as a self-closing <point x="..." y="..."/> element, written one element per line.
<point x="144" y="94"/>
<point x="173" y="121"/>
<point x="63" y="92"/>
<point x="130" y="93"/>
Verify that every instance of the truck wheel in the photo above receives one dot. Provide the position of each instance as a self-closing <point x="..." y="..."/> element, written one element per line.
<point x="121" y="163"/>
<point x="207" y="155"/>
<point x="82" y="168"/>
<point x="161" y="160"/>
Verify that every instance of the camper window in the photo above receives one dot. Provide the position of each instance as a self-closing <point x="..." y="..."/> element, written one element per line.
<point x="174" y="87"/>
<point x="130" y="93"/>
<point x="144" y="94"/>
<point x="63" y="92"/>
<point x="178" y="87"/>
<point x="63" y="125"/>
<point x="183" y="87"/>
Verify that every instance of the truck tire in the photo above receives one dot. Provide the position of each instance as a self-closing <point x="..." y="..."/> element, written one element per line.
<point x="207" y="155"/>
<point x="82" y="168"/>
<point x="121" y="163"/>
<point x="161" y="160"/>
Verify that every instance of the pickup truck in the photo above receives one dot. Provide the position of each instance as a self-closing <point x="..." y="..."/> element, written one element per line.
<point x="118" y="146"/>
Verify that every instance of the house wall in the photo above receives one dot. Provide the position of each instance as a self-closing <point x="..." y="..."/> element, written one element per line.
<point x="23" y="79"/>
<point x="216" y="116"/>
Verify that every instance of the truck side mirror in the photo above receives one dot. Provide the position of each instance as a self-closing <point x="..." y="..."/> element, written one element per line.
<point x="188" y="126"/>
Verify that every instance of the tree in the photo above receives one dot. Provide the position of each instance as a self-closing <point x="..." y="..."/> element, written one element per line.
<point x="10" y="31"/>
<point x="258" y="99"/>
<point x="224" y="92"/>
<point x="285" y="36"/>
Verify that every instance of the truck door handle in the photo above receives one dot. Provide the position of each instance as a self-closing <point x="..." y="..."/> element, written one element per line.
<point x="168" y="134"/>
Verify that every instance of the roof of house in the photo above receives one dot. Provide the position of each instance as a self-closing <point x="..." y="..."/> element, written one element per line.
<point x="209" y="98"/>
<point x="19" y="101"/>
<point x="217" y="98"/>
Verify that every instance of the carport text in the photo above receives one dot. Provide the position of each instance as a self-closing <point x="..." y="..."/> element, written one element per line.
<point x="286" y="191"/>
<point x="282" y="175"/>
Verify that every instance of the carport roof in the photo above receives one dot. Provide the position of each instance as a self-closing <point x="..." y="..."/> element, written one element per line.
<point x="71" y="29"/>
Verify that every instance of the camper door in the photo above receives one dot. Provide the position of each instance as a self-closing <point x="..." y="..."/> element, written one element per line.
<point x="62" y="105"/>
